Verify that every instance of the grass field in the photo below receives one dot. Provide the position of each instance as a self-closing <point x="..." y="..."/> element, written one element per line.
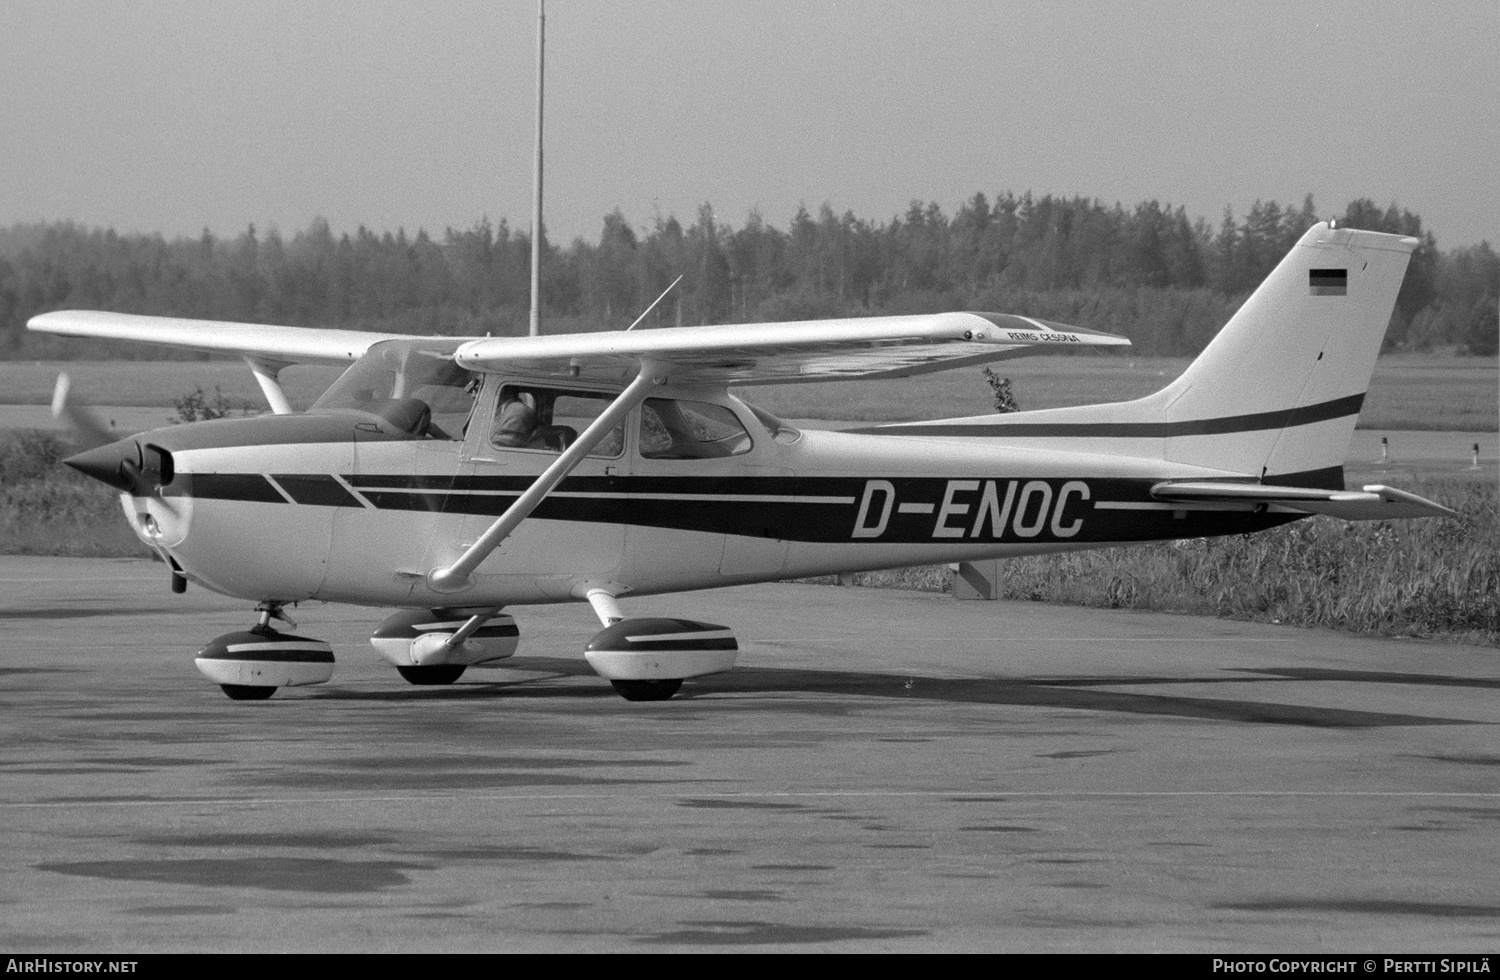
<point x="154" y="383"/>
<point x="1408" y="391"/>
<point x="48" y="509"/>
<point x="1430" y="578"/>
<point x="1436" y="393"/>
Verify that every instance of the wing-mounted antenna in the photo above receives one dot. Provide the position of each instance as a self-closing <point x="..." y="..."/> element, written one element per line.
<point x="574" y="366"/>
<point x="648" y="309"/>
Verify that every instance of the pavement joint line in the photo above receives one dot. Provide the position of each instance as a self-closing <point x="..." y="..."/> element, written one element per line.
<point x="829" y="794"/>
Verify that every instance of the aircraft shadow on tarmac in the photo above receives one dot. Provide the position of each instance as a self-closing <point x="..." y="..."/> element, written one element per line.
<point x="1046" y="692"/>
<point x="104" y="608"/>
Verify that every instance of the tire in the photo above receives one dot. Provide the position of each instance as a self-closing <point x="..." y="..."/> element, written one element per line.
<point x="647" y="690"/>
<point x="247" y="692"/>
<point x="438" y="674"/>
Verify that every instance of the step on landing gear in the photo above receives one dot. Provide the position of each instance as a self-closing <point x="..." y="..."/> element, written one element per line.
<point x="250" y="665"/>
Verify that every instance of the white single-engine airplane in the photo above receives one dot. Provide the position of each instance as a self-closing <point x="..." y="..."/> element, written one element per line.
<point x="453" y="477"/>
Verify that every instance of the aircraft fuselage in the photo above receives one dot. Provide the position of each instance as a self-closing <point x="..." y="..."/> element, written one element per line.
<point x="332" y="507"/>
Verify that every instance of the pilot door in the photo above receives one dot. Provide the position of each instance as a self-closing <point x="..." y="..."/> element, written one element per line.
<point x="519" y="431"/>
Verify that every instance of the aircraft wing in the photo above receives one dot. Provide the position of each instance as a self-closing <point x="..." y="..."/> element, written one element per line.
<point x="1375" y="503"/>
<point x="744" y="354"/>
<point x="285" y="345"/>
<point x="784" y="353"/>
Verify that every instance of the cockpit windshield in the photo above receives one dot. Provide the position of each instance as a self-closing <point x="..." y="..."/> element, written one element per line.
<point x="412" y="385"/>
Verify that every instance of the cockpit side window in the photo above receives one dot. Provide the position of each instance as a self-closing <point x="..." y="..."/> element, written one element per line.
<point x="676" y="429"/>
<point x="550" y="419"/>
<point x="412" y="386"/>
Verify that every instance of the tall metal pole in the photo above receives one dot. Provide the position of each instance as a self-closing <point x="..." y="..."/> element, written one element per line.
<point x="536" y="184"/>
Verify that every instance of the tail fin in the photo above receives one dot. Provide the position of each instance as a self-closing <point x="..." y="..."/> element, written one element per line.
<point x="1277" y="393"/>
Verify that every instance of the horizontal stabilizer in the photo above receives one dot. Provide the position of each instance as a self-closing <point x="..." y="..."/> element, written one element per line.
<point x="1374" y="503"/>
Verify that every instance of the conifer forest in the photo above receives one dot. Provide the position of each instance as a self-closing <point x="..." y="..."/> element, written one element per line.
<point x="1151" y="272"/>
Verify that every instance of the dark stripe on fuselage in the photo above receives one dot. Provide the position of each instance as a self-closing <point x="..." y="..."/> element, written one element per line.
<point x="1255" y="422"/>
<point x="896" y="510"/>
<point x="316" y="490"/>
<point x="251" y="487"/>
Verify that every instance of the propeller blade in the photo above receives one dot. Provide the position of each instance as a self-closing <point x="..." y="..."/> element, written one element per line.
<point x="89" y="430"/>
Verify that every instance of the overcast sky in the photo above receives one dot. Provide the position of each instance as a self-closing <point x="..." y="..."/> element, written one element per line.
<point x="175" y="116"/>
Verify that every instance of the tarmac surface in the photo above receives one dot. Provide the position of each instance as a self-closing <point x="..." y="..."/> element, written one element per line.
<point x="883" y="771"/>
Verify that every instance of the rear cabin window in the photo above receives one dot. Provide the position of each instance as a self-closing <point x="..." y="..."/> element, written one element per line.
<point x="550" y="419"/>
<point x="675" y="429"/>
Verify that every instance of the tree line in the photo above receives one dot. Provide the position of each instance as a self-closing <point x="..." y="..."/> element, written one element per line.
<point x="1150" y="272"/>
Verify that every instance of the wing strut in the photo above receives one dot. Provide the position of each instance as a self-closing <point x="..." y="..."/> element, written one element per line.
<point x="266" y="372"/>
<point x="456" y="577"/>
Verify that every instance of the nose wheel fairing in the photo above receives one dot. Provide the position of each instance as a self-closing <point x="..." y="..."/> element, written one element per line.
<point x="252" y="664"/>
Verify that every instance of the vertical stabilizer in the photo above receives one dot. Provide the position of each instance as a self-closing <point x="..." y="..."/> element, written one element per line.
<point x="1277" y="392"/>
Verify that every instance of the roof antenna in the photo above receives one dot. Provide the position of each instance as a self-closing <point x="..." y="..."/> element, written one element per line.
<point x="536" y="183"/>
<point x="658" y="299"/>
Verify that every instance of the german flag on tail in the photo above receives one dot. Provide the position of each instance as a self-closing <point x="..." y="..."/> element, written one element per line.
<point x="1328" y="282"/>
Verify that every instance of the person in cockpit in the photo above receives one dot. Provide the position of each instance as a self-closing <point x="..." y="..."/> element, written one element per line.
<point x="516" y="420"/>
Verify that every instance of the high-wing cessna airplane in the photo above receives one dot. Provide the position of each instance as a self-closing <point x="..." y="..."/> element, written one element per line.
<point x="451" y="478"/>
